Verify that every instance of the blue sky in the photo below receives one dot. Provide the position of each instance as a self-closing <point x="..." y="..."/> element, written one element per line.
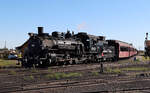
<point x="125" y="20"/>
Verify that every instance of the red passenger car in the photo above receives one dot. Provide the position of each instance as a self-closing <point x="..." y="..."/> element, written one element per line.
<point x="122" y="49"/>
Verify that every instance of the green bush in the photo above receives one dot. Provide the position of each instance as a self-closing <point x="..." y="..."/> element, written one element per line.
<point x="12" y="72"/>
<point x="136" y="69"/>
<point x="34" y="70"/>
<point x="110" y="70"/>
<point x="62" y="75"/>
<point x="120" y="70"/>
<point x="29" y="78"/>
<point x="8" y="63"/>
<point x="95" y="73"/>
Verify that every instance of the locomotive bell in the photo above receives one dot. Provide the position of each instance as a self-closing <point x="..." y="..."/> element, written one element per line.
<point x="40" y="30"/>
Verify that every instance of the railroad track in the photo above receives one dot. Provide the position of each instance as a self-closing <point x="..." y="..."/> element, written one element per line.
<point x="121" y="90"/>
<point x="69" y="68"/>
<point x="79" y="84"/>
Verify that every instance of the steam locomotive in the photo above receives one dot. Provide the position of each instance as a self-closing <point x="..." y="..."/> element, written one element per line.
<point x="62" y="48"/>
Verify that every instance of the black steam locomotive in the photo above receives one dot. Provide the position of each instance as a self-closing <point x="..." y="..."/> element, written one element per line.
<point x="61" y="48"/>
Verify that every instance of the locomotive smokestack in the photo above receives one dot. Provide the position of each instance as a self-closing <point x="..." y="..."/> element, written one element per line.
<point x="40" y="30"/>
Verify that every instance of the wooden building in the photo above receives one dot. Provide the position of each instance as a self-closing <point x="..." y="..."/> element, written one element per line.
<point x="22" y="47"/>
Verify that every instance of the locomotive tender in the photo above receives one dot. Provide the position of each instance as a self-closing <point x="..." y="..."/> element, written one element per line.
<point x="66" y="48"/>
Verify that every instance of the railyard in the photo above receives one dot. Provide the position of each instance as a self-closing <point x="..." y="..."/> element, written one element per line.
<point x="75" y="46"/>
<point x="126" y="75"/>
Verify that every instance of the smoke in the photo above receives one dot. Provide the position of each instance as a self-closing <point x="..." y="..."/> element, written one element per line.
<point x="82" y="26"/>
